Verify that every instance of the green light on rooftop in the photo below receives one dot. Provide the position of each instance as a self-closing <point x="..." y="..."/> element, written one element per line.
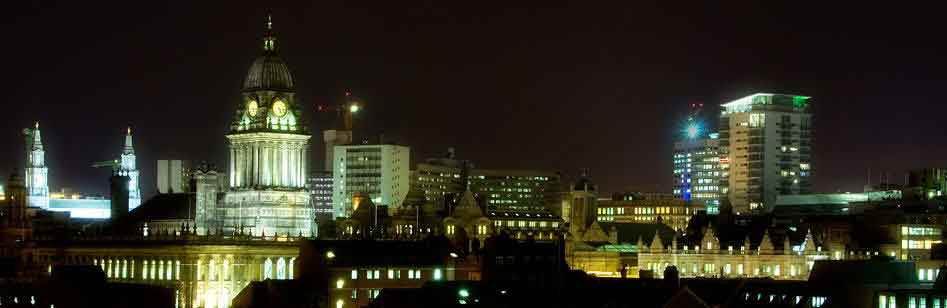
<point x="799" y="101"/>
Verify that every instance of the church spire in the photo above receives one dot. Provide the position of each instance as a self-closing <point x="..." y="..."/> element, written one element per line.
<point x="269" y="39"/>
<point x="37" y="138"/>
<point x="129" y="149"/>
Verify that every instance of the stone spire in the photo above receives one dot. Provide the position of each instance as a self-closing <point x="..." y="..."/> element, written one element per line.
<point x="656" y="244"/>
<point x="129" y="148"/>
<point x="787" y="247"/>
<point x="766" y="245"/>
<point x="37" y="138"/>
<point x="810" y="243"/>
<point x="36" y="174"/>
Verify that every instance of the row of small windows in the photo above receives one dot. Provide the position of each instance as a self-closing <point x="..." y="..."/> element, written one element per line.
<point x="643" y="210"/>
<point x="412" y="274"/>
<point x="918" y="244"/>
<point x="920" y="231"/>
<point x="730" y="269"/>
<point x="914" y="301"/>
<point x="524" y="224"/>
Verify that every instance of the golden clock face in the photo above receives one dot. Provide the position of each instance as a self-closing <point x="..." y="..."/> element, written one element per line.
<point x="252" y="108"/>
<point x="279" y="108"/>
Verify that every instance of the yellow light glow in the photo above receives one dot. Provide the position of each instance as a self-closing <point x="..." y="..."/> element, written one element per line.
<point x="330" y="255"/>
<point x="354" y="108"/>
<point x="339" y="283"/>
<point x="339" y="303"/>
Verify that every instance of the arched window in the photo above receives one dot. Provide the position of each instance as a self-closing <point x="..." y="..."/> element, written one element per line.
<point x="281" y="269"/>
<point x="167" y="274"/>
<point x="267" y="269"/>
<point x="292" y="261"/>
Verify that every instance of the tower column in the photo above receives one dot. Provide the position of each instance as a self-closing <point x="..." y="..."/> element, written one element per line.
<point x="296" y="164"/>
<point x="302" y="165"/>
<point x="264" y="159"/>
<point x="256" y="164"/>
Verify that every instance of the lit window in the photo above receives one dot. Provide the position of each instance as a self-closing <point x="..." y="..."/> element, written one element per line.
<point x="437" y="274"/>
<point x="280" y="269"/>
<point x="354" y="274"/>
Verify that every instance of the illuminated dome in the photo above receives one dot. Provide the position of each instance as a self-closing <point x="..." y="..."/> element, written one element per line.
<point x="268" y="72"/>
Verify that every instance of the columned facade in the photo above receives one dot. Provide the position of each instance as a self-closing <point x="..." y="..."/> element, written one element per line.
<point x="202" y="273"/>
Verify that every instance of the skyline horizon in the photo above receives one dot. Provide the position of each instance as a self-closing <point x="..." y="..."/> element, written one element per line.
<point x="555" y="88"/>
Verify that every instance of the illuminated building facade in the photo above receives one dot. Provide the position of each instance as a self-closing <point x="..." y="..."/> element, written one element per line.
<point x="379" y="171"/>
<point x="128" y="167"/>
<point x="673" y="212"/>
<point x="203" y="271"/>
<point x="82" y="206"/>
<point x="697" y="168"/>
<point x="913" y="241"/>
<point x="765" y="149"/>
<point x="709" y="258"/>
<point x="320" y="189"/>
<point x="516" y="190"/>
<point x="442" y="179"/>
<point x="37" y="175"/>
<point x="268" y="141"/>
<point x="351" y="273"/>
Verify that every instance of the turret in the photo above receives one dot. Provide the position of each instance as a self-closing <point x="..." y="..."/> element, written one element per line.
<point x="656" y="245"/>
<point x="766" y="245"/>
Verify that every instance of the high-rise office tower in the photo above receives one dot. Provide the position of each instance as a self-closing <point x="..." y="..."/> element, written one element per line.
<point x="765" y="149"/>
<point x="37" y="175"/>
<point x="696" y="163"/>
<point x="378" y="171"/>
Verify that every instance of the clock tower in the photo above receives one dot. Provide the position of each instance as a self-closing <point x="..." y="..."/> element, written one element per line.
<point x="268" y="142"/>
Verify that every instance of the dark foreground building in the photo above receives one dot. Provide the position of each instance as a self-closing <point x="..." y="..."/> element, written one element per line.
<point x="81" y="286"/>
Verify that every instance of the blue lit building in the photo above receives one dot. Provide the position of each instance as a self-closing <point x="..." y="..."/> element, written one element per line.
<point x="697" y="166"/>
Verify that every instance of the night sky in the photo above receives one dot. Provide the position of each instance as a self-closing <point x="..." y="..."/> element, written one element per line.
<point x="558" y="85"/>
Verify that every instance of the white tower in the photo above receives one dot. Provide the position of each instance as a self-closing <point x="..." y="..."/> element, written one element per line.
<point x="37" y="186"/>
<point x="268" y="153"/>
<point x="128" y="168"/>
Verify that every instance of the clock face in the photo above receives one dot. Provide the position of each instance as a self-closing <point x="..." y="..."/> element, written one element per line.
<point x="279" y="108"/>
<point x="252" y="108"/>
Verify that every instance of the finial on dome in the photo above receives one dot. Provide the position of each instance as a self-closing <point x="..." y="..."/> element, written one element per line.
<point x="269" y="40"/>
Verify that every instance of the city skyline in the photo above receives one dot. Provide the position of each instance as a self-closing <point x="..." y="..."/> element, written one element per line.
<point x="618" y="123"/>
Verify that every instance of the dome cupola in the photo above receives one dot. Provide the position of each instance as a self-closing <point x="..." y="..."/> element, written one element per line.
<point x="268" y="71"/>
